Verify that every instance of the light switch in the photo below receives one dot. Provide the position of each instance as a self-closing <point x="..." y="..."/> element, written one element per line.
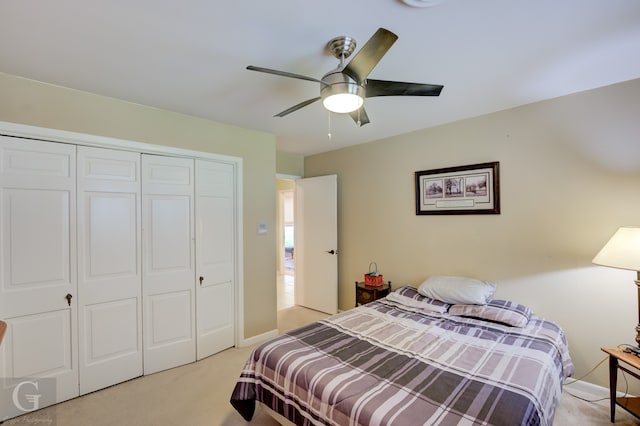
<point x="262" y="228"/>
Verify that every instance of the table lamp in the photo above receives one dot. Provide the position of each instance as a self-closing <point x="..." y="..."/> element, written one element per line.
<point x="622" y="251"/>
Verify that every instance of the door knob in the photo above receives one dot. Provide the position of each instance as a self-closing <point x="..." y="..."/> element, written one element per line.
<point x="68" y="297"/>
<point x="332" y="251"/>
<point x="201" y="279"/>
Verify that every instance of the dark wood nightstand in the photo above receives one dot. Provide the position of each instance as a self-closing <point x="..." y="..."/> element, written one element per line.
<point x="366" y="293"/>
<point x="631" y="404"/>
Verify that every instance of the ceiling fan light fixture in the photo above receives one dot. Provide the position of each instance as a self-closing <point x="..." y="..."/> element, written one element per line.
<point x="343" y="102"/>
<point x="341" y="93"/>
<point x="344" y="88"/>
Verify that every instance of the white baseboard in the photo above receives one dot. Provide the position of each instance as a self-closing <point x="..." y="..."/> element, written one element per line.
<point x="254" y="340"/>
<point x="589" y="388"/>
<point x="596" y="391"/>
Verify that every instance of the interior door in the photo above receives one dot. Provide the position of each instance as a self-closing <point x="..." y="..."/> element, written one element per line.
<point x="38" y="258"/>
<point x="316" y="242"/>
<point x="215" y="257"/>
<point x="109" y="273"/>
<point x="168" y="264"/>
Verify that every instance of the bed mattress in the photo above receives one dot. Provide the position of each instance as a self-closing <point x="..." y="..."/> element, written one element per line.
<point x="386" y="363"/>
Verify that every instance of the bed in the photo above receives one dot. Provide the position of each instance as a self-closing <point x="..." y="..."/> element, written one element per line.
<point x="408" y="359"/>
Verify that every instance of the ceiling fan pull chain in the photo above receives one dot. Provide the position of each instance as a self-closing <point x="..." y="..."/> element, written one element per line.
<point x="329" y="133"/>
<point x="359" y="123"/>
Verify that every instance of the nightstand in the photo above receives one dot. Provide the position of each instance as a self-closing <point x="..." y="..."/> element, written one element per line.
<point x="631" y="404"/>
<point x="366" y="293"/>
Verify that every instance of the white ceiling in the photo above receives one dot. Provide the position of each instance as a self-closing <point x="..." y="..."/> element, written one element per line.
<point x="190" y="56"/>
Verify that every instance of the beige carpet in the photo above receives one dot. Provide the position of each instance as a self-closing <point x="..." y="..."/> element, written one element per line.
<point x="198" y="394"/>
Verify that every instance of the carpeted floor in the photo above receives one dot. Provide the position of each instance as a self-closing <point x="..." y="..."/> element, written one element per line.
<point x="198" y="394"/>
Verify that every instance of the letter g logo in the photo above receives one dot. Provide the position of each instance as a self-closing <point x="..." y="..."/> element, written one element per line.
<point x="32" y="398"/>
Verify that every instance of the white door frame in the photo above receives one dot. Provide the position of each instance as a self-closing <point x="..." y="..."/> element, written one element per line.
<point x="53" y="135"/>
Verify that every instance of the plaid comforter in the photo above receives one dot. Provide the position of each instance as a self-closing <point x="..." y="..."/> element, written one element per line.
<point x="388" y="364"/>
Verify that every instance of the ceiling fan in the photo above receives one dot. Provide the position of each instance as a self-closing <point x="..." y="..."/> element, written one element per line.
<point x="343" y="89"/>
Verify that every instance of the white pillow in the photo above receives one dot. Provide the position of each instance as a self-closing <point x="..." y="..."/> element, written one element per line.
<point x="461" y="290"/>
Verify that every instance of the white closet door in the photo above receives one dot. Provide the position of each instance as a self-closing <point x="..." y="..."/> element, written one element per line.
<point x="168" y="265"/>
<point x="109" y="276"/>
<point x="37" y="254"/>
<point x="215" y="248"/>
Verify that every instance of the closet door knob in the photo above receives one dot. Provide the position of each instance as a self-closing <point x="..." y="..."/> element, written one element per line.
<point x="201" y="279"/>
<point x="68" y="297"/>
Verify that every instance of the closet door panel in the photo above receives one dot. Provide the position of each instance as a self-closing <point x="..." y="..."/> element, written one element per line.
<point x="109" y="335"/>
<point x="216" y="242"/>
<point x="110" y="289"/>
<point x="37" y="230"/>
<point x="168" y="262"/>
<point x="215" y="248"/>
<point x="46" y="328"/>
<point x="38" y="270"/>
<point x="169" y="221"/>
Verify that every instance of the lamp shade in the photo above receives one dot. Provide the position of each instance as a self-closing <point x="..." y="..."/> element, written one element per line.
<point x="622" y="250"/>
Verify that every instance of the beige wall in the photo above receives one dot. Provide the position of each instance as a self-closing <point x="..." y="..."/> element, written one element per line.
<point x="570" y="176"/>
<point x="37" y="104"/>
<point x="289" y="164"/>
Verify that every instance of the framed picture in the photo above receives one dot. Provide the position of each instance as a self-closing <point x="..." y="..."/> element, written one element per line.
<point x="473" y="189"/>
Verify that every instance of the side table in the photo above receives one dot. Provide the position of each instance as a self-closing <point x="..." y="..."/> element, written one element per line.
<point x="631" y="404"/>
<point x="366" y="293"/>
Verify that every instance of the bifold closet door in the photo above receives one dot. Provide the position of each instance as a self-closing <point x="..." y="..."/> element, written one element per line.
<point x="38" y="287"/>
<point x="168" y="281"/>
<point x="109" y="272"/>
<point x="215" y="257"/>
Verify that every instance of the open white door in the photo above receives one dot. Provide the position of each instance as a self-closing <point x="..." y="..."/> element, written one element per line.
<point x="316" y="242"/>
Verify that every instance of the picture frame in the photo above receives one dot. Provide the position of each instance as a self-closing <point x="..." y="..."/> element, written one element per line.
<point x="471" y="189"/>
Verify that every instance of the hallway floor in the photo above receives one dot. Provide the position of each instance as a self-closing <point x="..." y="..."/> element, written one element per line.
<point x="285" y="291"/>
<point x="286" y="284"/>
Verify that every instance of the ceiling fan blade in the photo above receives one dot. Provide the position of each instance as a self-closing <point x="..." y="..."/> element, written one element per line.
<point x="283" y="73"/>
<point x="296" y="107"/>
<point x="370" y="54"/>
<point x="360" y="116"/>
<point x="397" y="88"/>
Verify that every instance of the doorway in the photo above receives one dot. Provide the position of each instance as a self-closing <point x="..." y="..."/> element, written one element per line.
<point x="285" y="189"/>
